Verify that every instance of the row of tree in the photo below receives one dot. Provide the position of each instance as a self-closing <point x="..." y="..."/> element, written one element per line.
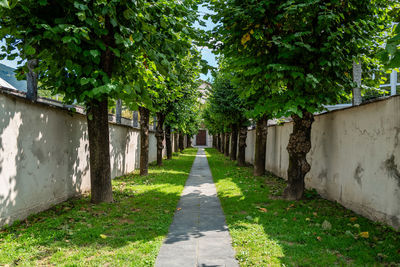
<point x="140" y="53"/>
<point x="288" y="59"/>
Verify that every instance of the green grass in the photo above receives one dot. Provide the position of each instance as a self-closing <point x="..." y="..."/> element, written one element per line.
<point x="268" y="231"/>
<point x="128" y="232"/>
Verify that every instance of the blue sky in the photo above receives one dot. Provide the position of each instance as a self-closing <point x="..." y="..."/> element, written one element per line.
<point x="206" y="52"/>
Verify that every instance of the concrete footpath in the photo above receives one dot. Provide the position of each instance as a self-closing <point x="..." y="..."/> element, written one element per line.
<point x="198" y="235"/>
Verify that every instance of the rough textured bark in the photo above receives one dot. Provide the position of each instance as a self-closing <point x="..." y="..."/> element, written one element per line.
<point x="168" y="142"/>
<point x="298" y="147"/>
<point x="242" y="146"/>
<point x="261" y="146"/>
<point x="234" y="139"/>
<point x="181" y="142"/>
<point x="223" y="143"/>
<point x="160" y="137"/>
<point x="227" y="141"/>
<point x="31" y="80"/>
<point x="188" y="141"/>
<point x="118" y="111"/>
<point x="176" y="142"/>
<point x="99" y="149"/>
<point x="144" y="140"/>
<point x="357" y="72"/>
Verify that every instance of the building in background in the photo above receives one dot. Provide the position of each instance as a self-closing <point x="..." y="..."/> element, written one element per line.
<point x="7" y="76"/>
<point x="203" y="138"/>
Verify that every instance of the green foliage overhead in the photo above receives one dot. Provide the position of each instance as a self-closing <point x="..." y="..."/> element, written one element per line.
<point x="295" y="55"/>
<point x="96" y="49"/>
<point x="391" y="55"/>
<point x="224" y="107"/>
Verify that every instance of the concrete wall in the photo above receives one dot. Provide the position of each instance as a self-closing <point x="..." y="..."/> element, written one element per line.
<point x="355" y="158"/>
<point x="44" y="156"/>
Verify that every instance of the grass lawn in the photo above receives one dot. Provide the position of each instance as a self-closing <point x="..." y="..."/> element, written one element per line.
<point x="128" y="232"/>
<point x="311" y="232"/>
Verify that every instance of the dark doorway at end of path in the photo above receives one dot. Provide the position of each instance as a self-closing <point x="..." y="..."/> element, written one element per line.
<point x="201" y="138"/>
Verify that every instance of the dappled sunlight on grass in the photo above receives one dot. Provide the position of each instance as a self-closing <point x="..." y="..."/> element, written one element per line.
<point x="127" y="232"/>
<point x="268" y="231"/>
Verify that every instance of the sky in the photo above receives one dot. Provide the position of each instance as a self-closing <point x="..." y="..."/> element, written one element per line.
<point x="205" y="52"/>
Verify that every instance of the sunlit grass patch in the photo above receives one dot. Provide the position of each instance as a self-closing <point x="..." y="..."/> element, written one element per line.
<point x="269" y="231"/>
<point x="128" y="232"/>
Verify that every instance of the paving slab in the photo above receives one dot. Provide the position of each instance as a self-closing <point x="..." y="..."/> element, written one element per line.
<point x="198" y="235"/>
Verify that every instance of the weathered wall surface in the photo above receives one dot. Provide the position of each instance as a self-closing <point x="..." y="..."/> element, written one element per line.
<point x="355" y="158"/>
<point x="44" y="156"/>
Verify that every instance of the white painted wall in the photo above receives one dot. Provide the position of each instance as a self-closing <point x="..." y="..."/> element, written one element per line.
<point x="355" y="158"/>
<point x="44" y="157"/>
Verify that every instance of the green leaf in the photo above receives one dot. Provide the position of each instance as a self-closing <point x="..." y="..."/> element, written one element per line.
<point x="4" y="3"/>
<point x="94" y="53"/>
<point x="29" y="50"/>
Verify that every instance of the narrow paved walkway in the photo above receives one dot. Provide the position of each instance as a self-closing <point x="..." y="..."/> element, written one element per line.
<point x="198" y="235"/>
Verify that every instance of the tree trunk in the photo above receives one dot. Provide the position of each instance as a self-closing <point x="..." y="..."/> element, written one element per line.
<point x="118" y="111"/>
<point x="223" y="143"/>
<point x="99" y="149"/>
<point x="168" y="142"/>
<point x="298" y="147"/>
<point x="144" y="140"/>
<point x="242" y="146"/>
<point x="175" y="142"/>
<point x="188" y="141"/>
<point x="214" y="141"/>
<point x="234" y="135"/>
<point x="357" y="72"/>
<point x="219" y="142"/>
<point x="226" y="149"/>
<point x="31" y="80"/>
<point x="261" y="146"/>
<point x="181" y="142"/>
<point x="160" y="137"/>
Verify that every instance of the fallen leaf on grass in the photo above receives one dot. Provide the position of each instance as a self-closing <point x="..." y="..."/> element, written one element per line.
<point x="353" y="219"/>
<point x="364" y="234"/>
<point x="319" y="238"/>
<point x="263" y="209"/>
<point x="326" y="225"/>
<point x="103" y="236"/>
<point x="135" y="210"/>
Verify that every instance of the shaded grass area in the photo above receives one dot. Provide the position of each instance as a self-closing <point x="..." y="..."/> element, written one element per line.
<point x="268" y="231"/>
<point x="128" y="232"/>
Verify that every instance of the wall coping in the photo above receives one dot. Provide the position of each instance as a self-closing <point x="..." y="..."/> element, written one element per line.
<point x="55" y="104"/>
